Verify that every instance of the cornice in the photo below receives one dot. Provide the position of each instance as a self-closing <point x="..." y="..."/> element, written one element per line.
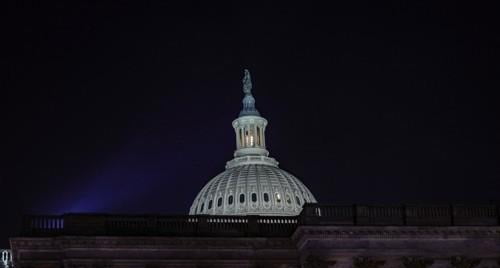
<point x="68" y="242"/>
<point x="394" y="232"/>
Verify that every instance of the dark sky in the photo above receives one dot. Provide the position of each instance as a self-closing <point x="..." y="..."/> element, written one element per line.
<point x="127" y="106"/>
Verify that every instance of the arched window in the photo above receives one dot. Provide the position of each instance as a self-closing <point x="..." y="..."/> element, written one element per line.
<point x="258" y="136"/>
<point x="297" y="199"/>
<point x="241" y="137"/>
<point x="288" y="199"/>
<point x="242" y="198"/>
<point x="219" y="202"/>
<point x="247" y="138"/>
<point x="278" y="197"/>
<point x="230" y="200"/>
<point x="202" y="207"/>
<point x="210" y="204"/>
<point x="266" y="197"/>
<point x="254" y="197"/>
<point x="5" y="256"/>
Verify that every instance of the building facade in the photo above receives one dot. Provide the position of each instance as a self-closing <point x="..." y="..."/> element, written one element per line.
<point x="255" y="214"/>
<point x="321" y="236"/>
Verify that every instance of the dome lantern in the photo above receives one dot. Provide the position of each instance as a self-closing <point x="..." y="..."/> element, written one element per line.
<point x="249" y="127"/>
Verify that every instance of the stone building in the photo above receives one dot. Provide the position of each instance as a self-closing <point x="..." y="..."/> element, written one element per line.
<point x="255" y="214"/>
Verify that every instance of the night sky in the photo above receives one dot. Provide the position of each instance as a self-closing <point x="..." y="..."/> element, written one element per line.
<point x="126" y="107"/>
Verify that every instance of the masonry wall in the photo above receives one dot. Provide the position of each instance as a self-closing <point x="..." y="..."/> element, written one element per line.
<point x="309" y="246"/>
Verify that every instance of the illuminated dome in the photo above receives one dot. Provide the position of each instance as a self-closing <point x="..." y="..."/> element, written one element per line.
<point x="252" y="183"/>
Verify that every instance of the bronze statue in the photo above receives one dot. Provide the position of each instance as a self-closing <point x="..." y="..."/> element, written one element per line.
<point x="247" y="83"/>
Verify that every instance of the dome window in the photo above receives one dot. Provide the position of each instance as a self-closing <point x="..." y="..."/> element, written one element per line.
<point x="297" y="199"/>
<point x="288" y="199"/>
<point x="230" y="200"/>
<point x="219" y="202"/>
<point x="242" y="198"/>
<point x="254" y="197"/>
<point x="202" y="207"/>
<point x="210" y="204"/>
<point x="278" y="197"/>
<point x="266" y="197"/>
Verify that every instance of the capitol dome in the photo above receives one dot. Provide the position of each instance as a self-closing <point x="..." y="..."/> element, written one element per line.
<point x="252" y="183"/>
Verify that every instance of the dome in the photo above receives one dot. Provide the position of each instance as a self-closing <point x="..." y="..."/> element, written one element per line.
<point x="253" y="186"/>
<point x="252" y="183"/>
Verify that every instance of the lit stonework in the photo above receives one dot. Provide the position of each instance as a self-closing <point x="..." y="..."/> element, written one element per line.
<point x="5" y="258"/>
<point x="252" y="183"/>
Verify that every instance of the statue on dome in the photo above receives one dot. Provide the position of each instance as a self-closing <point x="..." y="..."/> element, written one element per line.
<point x="247" y="83"/>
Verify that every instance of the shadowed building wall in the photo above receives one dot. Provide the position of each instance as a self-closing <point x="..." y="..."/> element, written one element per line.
<point x="321" y="236"/>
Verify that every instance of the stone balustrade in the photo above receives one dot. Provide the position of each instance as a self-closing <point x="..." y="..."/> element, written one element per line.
<point x="312" y="214"/>
<point x="199" y="225"/>
<point x="401" y="215"/>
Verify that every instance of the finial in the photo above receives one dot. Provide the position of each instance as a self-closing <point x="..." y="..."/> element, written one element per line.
<point x="248" y="100"/>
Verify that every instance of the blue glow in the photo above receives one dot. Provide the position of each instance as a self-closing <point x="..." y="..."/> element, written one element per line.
<point x="124" y="183"/>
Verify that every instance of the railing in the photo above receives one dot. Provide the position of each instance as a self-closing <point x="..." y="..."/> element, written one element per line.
<point x="269" y="226"/>
<point x="44" y="224"/>
<point x="409" y="215"/>
<point x="199" y="225"/>
<point x="264" y="226"/>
